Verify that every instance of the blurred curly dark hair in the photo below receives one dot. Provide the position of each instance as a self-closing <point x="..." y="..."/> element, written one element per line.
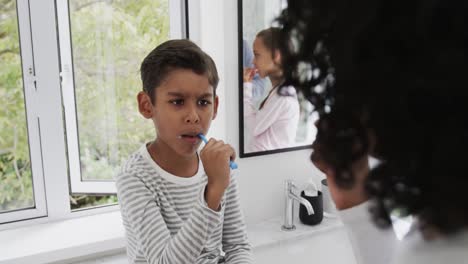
<point x="396" y="72"/>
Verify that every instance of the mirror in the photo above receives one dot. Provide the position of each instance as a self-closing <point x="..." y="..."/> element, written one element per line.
<point x="269" y="123"/>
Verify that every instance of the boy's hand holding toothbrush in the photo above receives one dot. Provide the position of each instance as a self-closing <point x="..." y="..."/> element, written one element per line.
<point x="215" y="157"/>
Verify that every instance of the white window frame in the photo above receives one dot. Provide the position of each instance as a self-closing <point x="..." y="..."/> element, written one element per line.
<point x="77" y="184"/>
<point x="39" y="22"/>
<point x="32" y="118"/>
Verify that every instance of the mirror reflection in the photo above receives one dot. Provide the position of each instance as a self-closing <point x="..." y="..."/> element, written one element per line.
<point x="274" y="118"/>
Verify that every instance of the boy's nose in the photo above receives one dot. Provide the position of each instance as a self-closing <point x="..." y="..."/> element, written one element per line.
<point x="192" y="117"/>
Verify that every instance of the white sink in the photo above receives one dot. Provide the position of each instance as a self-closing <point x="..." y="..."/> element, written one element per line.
<point x="323" y="243"/>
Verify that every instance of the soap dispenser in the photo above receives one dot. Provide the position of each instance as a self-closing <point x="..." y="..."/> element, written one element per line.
<point x="314" y="196"/>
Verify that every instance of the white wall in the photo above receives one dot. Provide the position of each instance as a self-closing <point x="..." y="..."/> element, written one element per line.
<point x="261" y="178"/>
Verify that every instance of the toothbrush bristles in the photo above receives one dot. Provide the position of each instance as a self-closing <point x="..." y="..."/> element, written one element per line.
<point x="203" y="138"/>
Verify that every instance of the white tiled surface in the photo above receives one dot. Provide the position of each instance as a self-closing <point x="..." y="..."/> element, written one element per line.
<point x="331" y="247"/>
<point x="323" y="243"/>
<point x="68" y="239"/>
<point x="268" y="233"/>
<point x="115" y="259"/>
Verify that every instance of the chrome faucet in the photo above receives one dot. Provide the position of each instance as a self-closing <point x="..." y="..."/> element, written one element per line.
<point x="290" y="196"/>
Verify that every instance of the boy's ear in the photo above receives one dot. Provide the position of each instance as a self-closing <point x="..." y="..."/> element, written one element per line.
<point x="144" y="105"/>
<point x="215" y="105"/>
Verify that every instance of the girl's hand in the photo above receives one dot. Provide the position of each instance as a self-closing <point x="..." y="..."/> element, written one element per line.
<point x="215" y="157"/>
<point x="249" y="73"/>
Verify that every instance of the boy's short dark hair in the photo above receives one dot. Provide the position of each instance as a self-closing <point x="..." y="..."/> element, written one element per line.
<point x="172" y="55"/>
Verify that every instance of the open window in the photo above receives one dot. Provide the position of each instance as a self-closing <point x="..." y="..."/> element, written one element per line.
<point x="22" y="194"/>
<point x="102" y="44"/>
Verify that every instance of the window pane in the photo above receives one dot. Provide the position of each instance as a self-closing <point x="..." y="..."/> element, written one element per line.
<point x="90" y="201"/>
<point x="109" y="41"/>
<point x="16" y="191"/>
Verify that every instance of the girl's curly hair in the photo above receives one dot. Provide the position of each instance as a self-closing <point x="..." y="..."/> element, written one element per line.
<point x="394" y="72"/>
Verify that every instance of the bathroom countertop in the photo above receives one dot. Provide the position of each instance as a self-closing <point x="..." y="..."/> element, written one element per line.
<point x="262" y="235"/>
<point x="95" y="243"/>
<point x="267" y="239"/>
<point x="269" y="232"/>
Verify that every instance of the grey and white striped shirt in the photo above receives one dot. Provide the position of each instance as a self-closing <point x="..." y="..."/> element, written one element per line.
<point x="167" y="220"/>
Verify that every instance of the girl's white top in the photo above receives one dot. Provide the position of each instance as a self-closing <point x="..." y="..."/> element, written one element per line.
<point x="373" y="245"/>
<point x="275" y="125"/>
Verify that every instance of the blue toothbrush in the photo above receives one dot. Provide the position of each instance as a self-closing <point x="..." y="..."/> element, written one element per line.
<point x="232" y="164"/>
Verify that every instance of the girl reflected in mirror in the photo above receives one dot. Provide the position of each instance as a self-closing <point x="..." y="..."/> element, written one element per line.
<point x="273" y="123"/>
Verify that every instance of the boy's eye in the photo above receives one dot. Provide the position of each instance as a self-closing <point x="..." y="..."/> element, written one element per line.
<point x="204" y="102"/>
<point x="177" y="102"/>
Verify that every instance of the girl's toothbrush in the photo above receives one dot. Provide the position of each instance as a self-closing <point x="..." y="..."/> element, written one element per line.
<point x="232" y="164"/>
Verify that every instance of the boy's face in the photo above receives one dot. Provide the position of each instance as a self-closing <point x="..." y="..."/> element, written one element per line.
<point x="184" y="107"/>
